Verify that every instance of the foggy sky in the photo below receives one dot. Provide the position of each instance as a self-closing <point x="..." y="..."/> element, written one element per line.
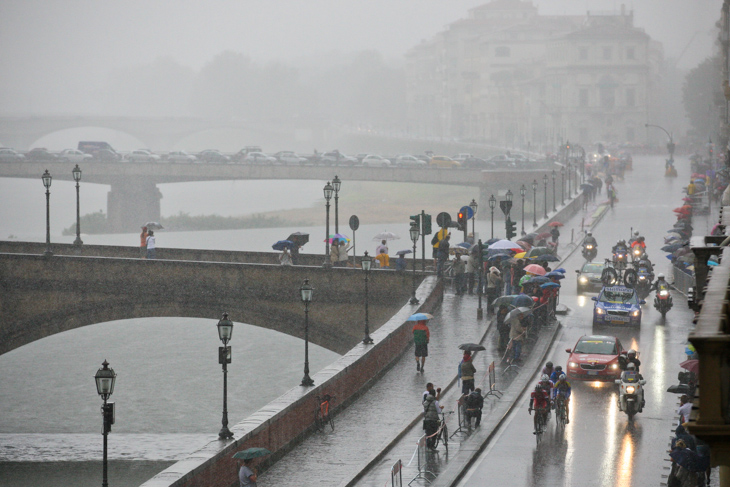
<point x="55" y="54"/>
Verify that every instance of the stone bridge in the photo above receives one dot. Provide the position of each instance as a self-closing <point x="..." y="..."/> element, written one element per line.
<point x="42" y="296"/>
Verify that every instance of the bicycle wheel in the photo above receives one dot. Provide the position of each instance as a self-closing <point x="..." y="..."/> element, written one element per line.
<point x="445" y="435"/>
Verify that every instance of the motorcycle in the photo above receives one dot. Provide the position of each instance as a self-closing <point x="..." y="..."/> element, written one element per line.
<point x="643" y="283"/>
<point x="631" y="394"/>
<point x="636" y="253"/>
<point x="669" y="169"/>
<point x="589" y="252"/>
<point x="663" y="301"/>
<point x="619" y="259"/>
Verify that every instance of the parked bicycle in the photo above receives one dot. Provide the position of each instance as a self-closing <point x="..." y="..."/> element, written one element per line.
<point x="322" y="414"/>
<point x="442" y="434"/>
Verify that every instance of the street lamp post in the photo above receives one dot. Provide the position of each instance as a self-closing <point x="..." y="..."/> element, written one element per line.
<point x="225" y="331"/>
<point x="474" y="206"/>
<point x="414" y="238"/>
<point x="534" y="203"/>
<point x="306" y="292"/>
<point x="562" y="185"/>
<point x="509" y="197"/>
<point x="523" y="191"/>
<point x="569" y="168"/>
<point x="77" y="177"/>
<point x="47" y="180"/>
<point x="480" y="270"/>
<point x="670" y="144"/>
<point x="336" y="183"/>
<point x="492" y="205"/>
<point x="105" y="378"/>
<point x="545" y="180"/>
<point x="328" y="189"/>
<point x="554" y="174"/>
<point x="366" y="262"/>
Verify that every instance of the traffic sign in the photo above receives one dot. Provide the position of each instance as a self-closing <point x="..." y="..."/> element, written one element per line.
<point x="443" y="219"/>
<point x="506" y="206"/>
<point x="354" y="223"/>
<point x="467" y="210"/>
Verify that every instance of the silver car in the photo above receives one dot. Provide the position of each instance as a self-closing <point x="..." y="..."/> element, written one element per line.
<point x="73" y="155"/>
<point x="181" y="157"/>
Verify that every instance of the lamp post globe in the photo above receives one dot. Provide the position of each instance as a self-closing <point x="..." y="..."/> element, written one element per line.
<point x="414" y="233"/>
<point x="534" y="202"/>
<point x="105" y="378"/>
<point x="328" y="189"/>
<point x="225" y="329"/>
<point x="225" y="332"/>
<point x="306" y="291"/>
<point x="492" y="205"/>
<point x="336" y="184"/>
<point x="47" y="180"/>
<point x="366" y="263"/>
<point x="523" y="191"/>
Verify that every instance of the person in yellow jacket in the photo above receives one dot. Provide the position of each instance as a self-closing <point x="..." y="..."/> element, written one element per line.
<point x="691" y="188"/>
<point x="435" y="242"/>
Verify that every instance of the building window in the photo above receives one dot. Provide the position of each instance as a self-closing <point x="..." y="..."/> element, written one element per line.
<point x="630" y="97"/>
<point x="630" y="135"/>
<point x="501" y="51"/>
<point x="583" y="97"/>
<point x="583" y="53"/>
<point x="630" y="53"/>
<point x="607" y="53"/>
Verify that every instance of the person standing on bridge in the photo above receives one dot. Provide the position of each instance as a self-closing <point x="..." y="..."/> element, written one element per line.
<point x="143" y="243"/>
<point x="421" y="337"/>
<point x="151" y="245"/>
<point x="247" y="474"/>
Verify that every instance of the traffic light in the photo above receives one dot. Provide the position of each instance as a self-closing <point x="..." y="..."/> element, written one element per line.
<point x="511" y="228"/>
<point x="461" y="220"/>
<point x="426" y="230"/>
<point x="416" y="222"/>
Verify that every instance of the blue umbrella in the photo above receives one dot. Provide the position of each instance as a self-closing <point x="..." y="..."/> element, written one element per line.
<point x="466" y="245"/>
<point x="491" y="241"/>
<point x="548" y="285"/>
<point x="283" y="244"/>
<point x="420" y="317"/>
<point x="547" y="258"/>
<point x="523" y="300"/>
<point x="538" y="280"/>
<point x="560" y="270"/>
<point x="404" y="252"/>
<point x="555" y="275"/>
<point x="499" y="257"/>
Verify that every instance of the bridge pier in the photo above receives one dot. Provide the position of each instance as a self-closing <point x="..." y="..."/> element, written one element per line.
<point x="131" y="202"/>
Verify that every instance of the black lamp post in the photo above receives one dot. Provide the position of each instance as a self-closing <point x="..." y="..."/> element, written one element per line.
<point x="523" y="191"/>
<point x="414" y="238"/>
<point x="534" y="203"/>
<point x="336" y="183"/>
<point x="562" y="185"/>
<point x="105" y="378"/>
<point x="545" y="180"/>
<point x="474" y="206"/>
<point x="570" y="178"/>
<point x="47" y="180"/>
<point x="306" y="292"/>
<point x="328" y="189"/>
<point x="225" y="331"/>
<point x="492" y="205"/>
<point x="554" y="174"/>
<point x="77" y="177"/>
<point x="480" y="271"/>
<point x="366" y="262"/>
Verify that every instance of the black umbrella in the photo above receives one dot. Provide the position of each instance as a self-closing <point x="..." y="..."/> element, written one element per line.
<point x="299" y="238"/>
<point x="471" y="347"/>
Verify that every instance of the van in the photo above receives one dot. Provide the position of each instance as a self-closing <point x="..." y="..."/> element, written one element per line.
<point x="93" y="148"/>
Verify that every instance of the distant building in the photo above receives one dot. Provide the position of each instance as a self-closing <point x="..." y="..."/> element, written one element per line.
<point x="510" y="77"/>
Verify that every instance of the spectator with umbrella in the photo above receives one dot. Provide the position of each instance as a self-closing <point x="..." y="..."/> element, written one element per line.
<point x="494" y="284"/>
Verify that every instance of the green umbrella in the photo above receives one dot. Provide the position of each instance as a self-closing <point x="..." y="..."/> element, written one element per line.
<point x="251" y="453"/>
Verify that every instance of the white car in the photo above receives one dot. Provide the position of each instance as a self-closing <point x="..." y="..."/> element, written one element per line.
<point x="289" y="157"/>
<point x="181" y="157"/>
<point x="73" y="155"/>
<point x="462" y="157"/>
<point x="142" y="155"/>
<point x="373" y="160"/>
<point x="408" y="160"/>
<point x="9" y="155"/>
<point x="258" y="158"/>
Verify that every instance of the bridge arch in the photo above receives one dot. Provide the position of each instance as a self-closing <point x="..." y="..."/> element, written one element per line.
<point x="68" y="138"/>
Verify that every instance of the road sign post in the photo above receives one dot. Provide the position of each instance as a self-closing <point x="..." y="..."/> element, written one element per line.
<point x="354" y="225"/>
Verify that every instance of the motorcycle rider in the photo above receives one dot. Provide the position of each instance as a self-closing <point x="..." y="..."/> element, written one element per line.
<point x="562" y="387"/>
<point x="631" y="375"/>
<point x="620" y="247"/>
<point x="629" y="358"/>
<point x="634" y="238"/>
<point x="660" y="284"/>
<point x="590" y="240"/>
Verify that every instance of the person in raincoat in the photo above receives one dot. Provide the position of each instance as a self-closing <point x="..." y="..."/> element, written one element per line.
<point x="421" y="337"/>
<point x="494" y="285"/>
<point x="335" y="252"/>
<point x="383" y="258"/>
<point x="691" y="188"/>
<point x="516" y="336"/>
<point x="285" y="257"/>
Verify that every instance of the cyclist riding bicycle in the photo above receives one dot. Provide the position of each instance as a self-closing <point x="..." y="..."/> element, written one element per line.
<point x="556" y="373"/>
<point x="540" y="402"/>
<point x="562" y="388"/>
<point x="546" y="384"/>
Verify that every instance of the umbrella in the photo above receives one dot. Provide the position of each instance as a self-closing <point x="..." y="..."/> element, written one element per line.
<point x="504" y="244"/>
<point x="337" y="236"/>
<point x="712" y="263"/>
<point x="471" y="347"/>
<point x="560" y="270"/>
<point x="154" y="226"/>
<point x="537" y="251"/>
<point x="586" y="186"/>
<point x="299" y="238"/>
<point x="671" y="248"/>
<point x="525" y="245"/>
<point x="555" y="275"/>
<point x="463" y="251"/>
<point x="535" y="269"/>
<point x="251" y="453"/>
<point x="492" y="252"/>
<point x="544" y="235"/>
<point x="538" y="280"/>
<point x="283" y="244"/>
<point x="490" y="241"/>
<point x="505" y="300"/>
<point x="520" y="255"/>
<point x="686" y="199"/>
<point x="403" y="252"/>
<point x="420" y="317"/>
<point x="524" y="279"/>
<point x="686" y="258"/>
<point x="517" y="313"/>
<point x="548" y="258"/>
<point x="466" y="245"/>
<point x="498" y="257"/>
<point x="548" y="285"/>
<point x="529" y="238"/>
<point x="385" y="236"/>
<point x="523" y="301"/>
<point x="555" y="224"/>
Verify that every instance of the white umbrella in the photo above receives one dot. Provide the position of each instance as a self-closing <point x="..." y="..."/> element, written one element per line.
<point x="385" y="236"/>
<point x="504" y="244"/>
<point x="154" y="226"/>
<point x="517" y="313"/>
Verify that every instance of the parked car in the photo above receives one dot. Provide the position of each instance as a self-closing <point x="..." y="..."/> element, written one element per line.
<point x="589" y="277"/>
<point x="74" y="155"/>
<point x="142" y="155"/>
<point x="337" y="158"/>
<point x="181" y="157"/>
<point x="360" y="157"/>
<point x="409" y="160"/>
<point x="444" y="161"/>
<point x="238" y="156"/>
<point x="9" y="155"/>
<point x="595" y="357"/>
<point x="259" y="158"/>
<point x="375" y="160"/>
<point x="107" y="155"/>
<point x="213" y="156"/>
<point x="41" y="154"/>
<point x="477" y="163"/>
<point x="289" y="157"/>
<point x="520" y="159"/>
<point x="462" y="157"/>
<point x="502" y="160"/>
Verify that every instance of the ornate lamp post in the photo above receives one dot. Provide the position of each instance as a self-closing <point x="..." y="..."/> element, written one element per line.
<point x="414" y="238"/>
<point x="554" y="174"/>
<point x="366" y="262"/>
<point x="570" y="177"/>
<point x="545" y="180"/>
<point x="306" y="293"/>
<point x="336" y="183"/>
<point x="492" y="205"/>
<point x="480" y="271"/>
<point x="77" y="177"/>
<point x="105" y="378"/>
<point x="523" y="191"/>
<point x="474" y="206"/>
<point x="328" y="189"/>
<point x="534" y="203"/>
<point x="225" y="331"/>
<point x="47" y="180"/>
<point x="562" y="185"/>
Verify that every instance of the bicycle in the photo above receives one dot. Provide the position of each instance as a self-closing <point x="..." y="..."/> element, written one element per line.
<point x="561" y="415"/>
<point x="322" y="414"/>
<point x="540" y="423"/>
<point x="442" y="434"/>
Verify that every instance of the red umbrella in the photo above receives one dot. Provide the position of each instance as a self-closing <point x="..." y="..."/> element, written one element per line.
<point x="691" y="365"/>
<point x="686" y="199"/>
<point x="524" y="244"/>
<point x="555" y="224"/>
<point x="544" y="235"/>
<point x="538" y="270"/>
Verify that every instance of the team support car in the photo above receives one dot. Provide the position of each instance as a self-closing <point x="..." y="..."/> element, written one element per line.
<point x="589" y="277"/>
<point x="595" y="357"/>
<point x="617" y="305"/>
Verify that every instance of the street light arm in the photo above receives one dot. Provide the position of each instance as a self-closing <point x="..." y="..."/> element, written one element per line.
<point x="671" y="139"/>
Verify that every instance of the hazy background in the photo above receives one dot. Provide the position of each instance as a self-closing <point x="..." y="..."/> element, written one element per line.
<point x="142" y="57"/>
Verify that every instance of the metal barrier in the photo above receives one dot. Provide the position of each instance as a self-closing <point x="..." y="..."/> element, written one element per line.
<point x="396" y="474"/>
<point x="682" y="280"/>
<point x="461" y="415"/>
<point x="421" y="454"/>
<point x="493" y="382"/>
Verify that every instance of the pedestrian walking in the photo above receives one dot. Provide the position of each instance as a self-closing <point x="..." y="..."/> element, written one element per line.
<point x="335" y="253"/>
<point x="467" y="371"/>
<point x="247" y="474"/>
<point x="502" y="326"/>
<point x="474" y="404"/>
<point x="344" y="257"/>
<point x="494" y="285"/>
<point x="470" y="270"/>
<point x="459" y="275"/>
<point x="555" y="234"/>
<point x="143" y="243"/>
<point x="285" y="257"/>
<point x="516" y="336"/>
<point x="431" y="410"/>
<point x="151" y="245"/>
<point x="421" y="337"/>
